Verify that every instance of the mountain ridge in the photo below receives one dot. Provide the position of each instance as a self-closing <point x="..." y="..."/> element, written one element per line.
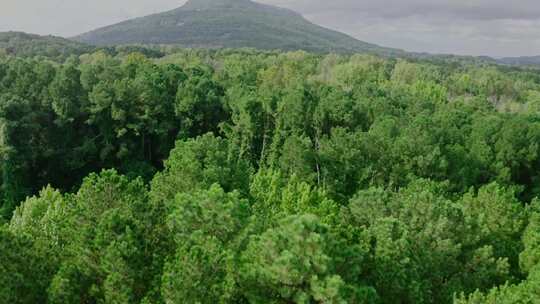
<point x="29" y="45"/>
<point x="521" y="60"/>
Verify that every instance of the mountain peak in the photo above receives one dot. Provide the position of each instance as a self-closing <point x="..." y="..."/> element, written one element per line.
<point x="229" y="24"/>
<point x="216" y="4"/>
<point x="237" y="5"/>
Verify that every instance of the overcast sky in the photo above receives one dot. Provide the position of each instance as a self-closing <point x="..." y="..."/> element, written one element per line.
<point x="468" y="27"/>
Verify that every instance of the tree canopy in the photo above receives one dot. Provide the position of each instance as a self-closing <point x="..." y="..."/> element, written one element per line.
<point x="239" y="176"/>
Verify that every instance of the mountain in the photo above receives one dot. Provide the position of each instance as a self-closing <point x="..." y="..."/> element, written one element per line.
<point x="230" y="24"/>
<point x="29" y="45"/>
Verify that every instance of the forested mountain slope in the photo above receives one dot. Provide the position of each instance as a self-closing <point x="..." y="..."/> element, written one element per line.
<point x="240" y="176"/>
<point x="230" y="24"/>
<point x="29" y="45"/>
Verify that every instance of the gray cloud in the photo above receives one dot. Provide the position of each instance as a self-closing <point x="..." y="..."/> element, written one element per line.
<point x="462" y="9"/>
<point x="477" y="27"/>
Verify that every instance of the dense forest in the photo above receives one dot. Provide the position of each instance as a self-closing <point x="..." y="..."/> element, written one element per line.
<point x="240" y="176"/>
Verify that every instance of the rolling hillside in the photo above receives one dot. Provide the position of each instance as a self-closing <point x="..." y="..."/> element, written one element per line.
<point x="29" y="45"/>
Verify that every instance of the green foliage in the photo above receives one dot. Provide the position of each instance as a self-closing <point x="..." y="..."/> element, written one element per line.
<point x="211" y="213"/>
<point x="198" y="163"/>
<point x="109" y="243"/>
<point x="289" y="264"/>
<point x="199" y="103"/>
<point x="203" y="226"/>
<point x="23" y="272"/>
<point x="241" y="176"/>
<point x="530" y="257"/>
<point x="423" y="242"/>
<point x="527" y="291"/>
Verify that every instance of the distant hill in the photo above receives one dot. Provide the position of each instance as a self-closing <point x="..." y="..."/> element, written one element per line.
<point x="57" y="48"/>
<point x="230" y="24"/>
<point x="522" y="61"/>
<point x="29" y="45"/>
